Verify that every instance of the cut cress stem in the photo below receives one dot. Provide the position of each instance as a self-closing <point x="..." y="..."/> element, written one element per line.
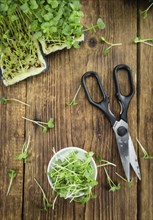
<point x="73" y="102"/>
<point x="45" y="125"/>
<point x="4" y="100"/>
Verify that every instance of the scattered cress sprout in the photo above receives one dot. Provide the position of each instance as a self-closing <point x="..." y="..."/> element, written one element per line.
<point x="24" y="155"/>
<point x="113" y="187"/>
<point x="148" y="41"/>
<point x="100" y="25"/>
<point x="5" y="100"/>
<point x="12" y="174"/>
<point x="100" y="160"/>
<point x="73" y="102"/>
<point x="144" y="13"/>
<point x="110" y="45"/>
<point x="129" y="182"/>
<point x="145" y="153"/>
<point x="45" y="125"/>
<point x="46" y="203"/>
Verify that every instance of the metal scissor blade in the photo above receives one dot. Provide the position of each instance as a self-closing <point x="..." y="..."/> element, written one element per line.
<point x="124" y="155"/>
<point x="123" y="145"/>
<point x="133" y="159"/>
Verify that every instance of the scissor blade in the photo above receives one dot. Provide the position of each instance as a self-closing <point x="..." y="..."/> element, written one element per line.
<point x="133" y="159"/>
<point x="123" y="146"/>
<point x="124" y="155"/>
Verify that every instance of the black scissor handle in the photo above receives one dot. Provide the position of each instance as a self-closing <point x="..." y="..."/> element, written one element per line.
<point x="102" y="105"/>
<point x="124" y="100"/>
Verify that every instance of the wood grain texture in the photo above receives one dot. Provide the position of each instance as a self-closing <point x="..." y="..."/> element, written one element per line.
<point x="11" y="142"/>
<point x="145" y="123"/>
<point x="82" y="126"/>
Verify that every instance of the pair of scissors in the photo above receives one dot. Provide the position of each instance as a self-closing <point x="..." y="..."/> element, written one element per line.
<point x="124" y="142"/>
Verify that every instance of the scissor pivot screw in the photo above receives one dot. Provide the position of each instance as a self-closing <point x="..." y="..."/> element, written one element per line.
<point x="121" y="131"/>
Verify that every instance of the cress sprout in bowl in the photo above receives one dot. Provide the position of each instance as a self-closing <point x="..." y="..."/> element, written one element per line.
<point x="72" y="174"/>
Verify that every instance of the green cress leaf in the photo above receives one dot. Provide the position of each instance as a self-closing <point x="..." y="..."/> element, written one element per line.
<point x="33" y="4"/>
<point x="54" y="29"/>
<point x="50" y="123"/>
<point x="25" y="8"/>
<point x="115" y="188"/>
<point x="3" y="100"/>
<point x="12" y="174"/>
<point x="3" y="7"/>
<point x="75" y="5"/>
<point x="45" y="129"/>
<point x="34" y="25"/>
<point x="100" y="23"/>
<point x="144" y="14"/>
<point x="54" y="3"/>
<point x="38" y="35"/>
<point x="72" y="103"/>
<point x="14" y="18"/>
<point x="106" y="51"/>
<point x="48" y="16"/>
<point x="76" y="45"/>
<point x="22" y="156"/>
<point x="47" y="7"/>
<point x="136" y="40"/>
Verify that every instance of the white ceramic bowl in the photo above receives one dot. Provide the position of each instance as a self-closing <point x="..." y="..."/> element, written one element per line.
<point x="64" y="153"/>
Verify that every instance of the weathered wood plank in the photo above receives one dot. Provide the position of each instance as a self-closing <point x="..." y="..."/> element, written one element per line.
<point x="82" y="126"/>
<point x="11" y="142"/>
<point x="145" y="123"/>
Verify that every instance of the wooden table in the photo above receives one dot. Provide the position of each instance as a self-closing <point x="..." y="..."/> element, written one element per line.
<point x="83" y="126"/>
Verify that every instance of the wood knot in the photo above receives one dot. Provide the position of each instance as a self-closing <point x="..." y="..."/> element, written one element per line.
<point x="92" y="42"/>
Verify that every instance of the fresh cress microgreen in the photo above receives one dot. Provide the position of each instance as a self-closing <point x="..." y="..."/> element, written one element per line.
<point x="5" y="100"/>
<point x="73" y="178"/>
<point x="99" y="159"/>
<point x="100" y="25"/>
<point x="148" y="41"/>
<point x="144" y="13"/>
<point x="55" y="22"/>
<point x="145" y="153"/>
<point x="106" y="50"/>
<point x="129" y="182"/>
<point x="18" y="49"/>
<point x="24" y="155"/>
<point x="73" y="102"/>
<point x="46" y="203"/>
<point x="12" y="174"/>
<point x="45" y="125"/>
<point x="112" y="185"/>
